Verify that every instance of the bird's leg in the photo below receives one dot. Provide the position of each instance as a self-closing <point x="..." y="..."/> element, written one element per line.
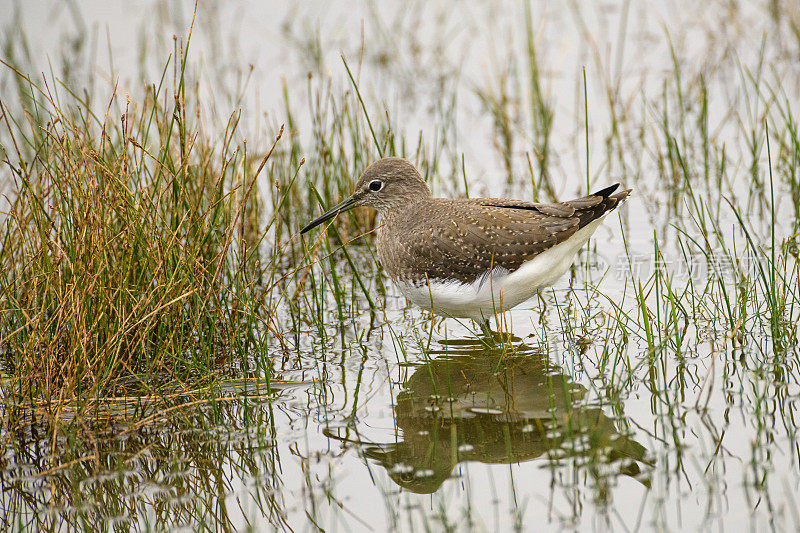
<point x="494" y="338"/>
<point x="486" y="328"/>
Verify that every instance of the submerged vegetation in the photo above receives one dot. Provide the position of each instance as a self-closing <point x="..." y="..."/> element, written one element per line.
<point x="168" y="340"/>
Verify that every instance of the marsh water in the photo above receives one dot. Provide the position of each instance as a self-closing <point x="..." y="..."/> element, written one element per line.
<point x="378" y="416"/>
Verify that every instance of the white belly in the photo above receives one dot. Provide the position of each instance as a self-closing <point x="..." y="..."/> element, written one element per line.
<point x="502" y="290"/>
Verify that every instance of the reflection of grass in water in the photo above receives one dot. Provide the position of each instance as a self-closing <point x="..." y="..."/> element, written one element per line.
<point x="176" y="470"/>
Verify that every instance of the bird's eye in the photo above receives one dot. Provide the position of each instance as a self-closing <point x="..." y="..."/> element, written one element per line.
<point x="375" y="185"/>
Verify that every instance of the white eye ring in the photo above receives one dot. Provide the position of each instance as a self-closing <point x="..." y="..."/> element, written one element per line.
<point x="375" y="185"/>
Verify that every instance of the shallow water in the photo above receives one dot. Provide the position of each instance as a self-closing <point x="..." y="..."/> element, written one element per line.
<point x="467" y="436"/>
<point x="394" y="420"/>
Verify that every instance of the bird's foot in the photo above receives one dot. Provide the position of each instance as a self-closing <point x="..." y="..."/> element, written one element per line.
<point x="494" y="338"/>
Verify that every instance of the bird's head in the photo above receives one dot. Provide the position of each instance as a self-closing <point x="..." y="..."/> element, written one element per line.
<point x="386" y="184"/>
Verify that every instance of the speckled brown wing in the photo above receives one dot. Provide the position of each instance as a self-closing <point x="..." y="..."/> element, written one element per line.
<point x="464" y="239"/>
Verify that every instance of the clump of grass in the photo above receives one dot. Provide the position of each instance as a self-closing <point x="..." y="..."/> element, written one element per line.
<point x="130" y="255"/>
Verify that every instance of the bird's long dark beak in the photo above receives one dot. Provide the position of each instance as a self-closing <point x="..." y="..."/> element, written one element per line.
<point x="332" y="212"/>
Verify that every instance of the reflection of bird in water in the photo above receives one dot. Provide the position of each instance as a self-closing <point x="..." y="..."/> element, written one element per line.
<point x="482" y="404"/>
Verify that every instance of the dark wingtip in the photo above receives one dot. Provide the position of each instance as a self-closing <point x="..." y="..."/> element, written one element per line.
<point x="605" y="193"/>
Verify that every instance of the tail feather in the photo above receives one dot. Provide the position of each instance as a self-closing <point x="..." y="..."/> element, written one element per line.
<point x="608" y="203"/>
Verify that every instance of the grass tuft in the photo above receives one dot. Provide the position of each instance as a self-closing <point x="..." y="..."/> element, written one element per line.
<point x="131" y="251"/>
